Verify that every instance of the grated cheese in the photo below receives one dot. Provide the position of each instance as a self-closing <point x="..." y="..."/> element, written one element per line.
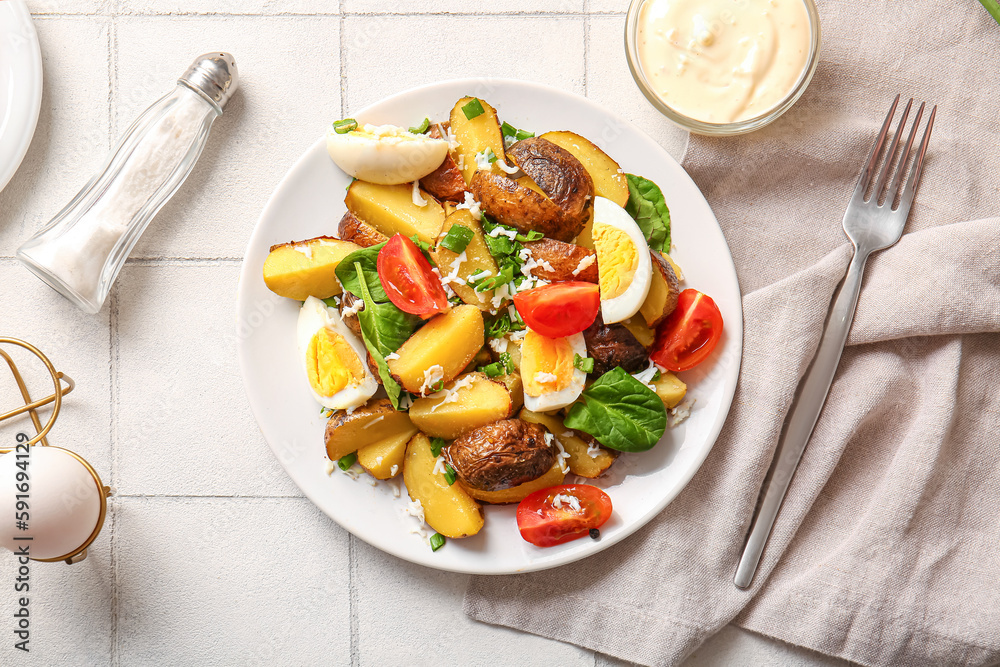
<point x="415" y="510"/>
<point x="330" y="467"/>
<point x="353" y="309"/>
<point x="405" y="400"/>
<point x="391" y="356"/>
<point x="506" y="167"/>
<point x="566" y="499"/>
<point x="392" y="472"/>
<point x="354" y="471"/>
<point x="483" y="159"/>
<point x="415" y="195"/>
<point x="439" y="466"/>
<point x="593" y="450"/>
<point x="432" y="376"/>
<point x="456" y="265"/>
<point x="485" y="273"/>
<point x="500" y="231"/>
<point x="541" y="377"/>
<point x="646" y="376"/>
<point x="498" y="345"/>
<point x="678" y="414"/>
<point x="562" y="455"/>
<point x="305" y="249"/>
<point x="584" y="264"/>
<point x="451" y="395"/>
<point x="471" y="204"/>
<point x="501" y="293"/>
<point x="517" y="335"/>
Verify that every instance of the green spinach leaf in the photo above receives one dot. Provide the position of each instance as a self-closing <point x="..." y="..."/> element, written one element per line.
<point x="620" y="412"/>
<point x="384" y="327"/>
<point x="993" y="7"/>
<point x="649" y="210"/>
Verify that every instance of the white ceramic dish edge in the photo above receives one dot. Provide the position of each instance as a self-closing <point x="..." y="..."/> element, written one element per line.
<point x="23" y="75"/>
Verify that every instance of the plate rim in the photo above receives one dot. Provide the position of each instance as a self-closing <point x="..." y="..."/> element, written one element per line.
<point x="248" y="273"/>
<point x="26" y="113"/>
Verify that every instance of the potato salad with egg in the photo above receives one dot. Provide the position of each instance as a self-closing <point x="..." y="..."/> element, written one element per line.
<point x="495" y="311"/>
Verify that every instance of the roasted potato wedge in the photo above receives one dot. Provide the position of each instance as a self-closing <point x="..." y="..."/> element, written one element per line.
<point x="576" y="444"/>
<point x="351" y="228"/>
<point x="519" y="206"/>
<point x="643" y="333"/>
<point x="585" y="239"/>
<point x="554" y="477"/>
<point x="441" y="349"/>
<point x="390" y="210"/>
<point x="384" y="459"/>
<point x="566" y="260"/>
<point x="671" y="389"/>
<point x="448" y="509"/>
<point x="475" y="135"/>
<point x="500" y="455"/>
<point x="613" y="345"/>
<point x="348" y="301"/>
<point x="609" y="179"/>
<point x="663" y="292"/>
<point x="478" y="259"/>
<point x="372" y="422"/>
<point x="513" y="349"/>
<point x="558" y="174"/>
<point x="470" y="401"/>
<point x="300" y="269"/>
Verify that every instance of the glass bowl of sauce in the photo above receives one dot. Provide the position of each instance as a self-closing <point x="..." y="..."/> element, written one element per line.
<point x="722" y="67"/>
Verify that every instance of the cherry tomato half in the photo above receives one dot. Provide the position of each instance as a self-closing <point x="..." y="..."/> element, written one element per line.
<point x="581" y="507"/>
<point x="559" y="309"/>
<point x="688" y="336"/>
<point x="409" y="280"/>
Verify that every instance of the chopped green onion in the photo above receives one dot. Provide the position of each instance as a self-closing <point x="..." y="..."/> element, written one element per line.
<point x="332" y="302"/>
<point x="493" y="370"/>
<point x="657" y="375"/>
<point x="437" y="387"/>
<point x="345" y="126"/>
<point x="437" y="541"/>
<point x="491" y="157"/>
<point x="473" y="108"/>
<point x="585" y="364"/>
<point x="425" y="248"/>
<point x="423" y="127"/>
<point x="457" y="239"/>
<point x="509" y="130"/>
<point x="449" y="474"/>
<point x="346" y="462"/>
<point x="436" y="445"/>
<point x="523" y="134"/>
<point x="533" y="235"/>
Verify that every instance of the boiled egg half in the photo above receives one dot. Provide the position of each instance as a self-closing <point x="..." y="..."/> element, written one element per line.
<point x="624" y="266"/>
<point x="385" y="154"/>
<point x="550" y="378"/>
<point x="334" y="359"/>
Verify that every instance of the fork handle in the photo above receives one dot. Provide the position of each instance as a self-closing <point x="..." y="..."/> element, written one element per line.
<point x="801" y="420"/>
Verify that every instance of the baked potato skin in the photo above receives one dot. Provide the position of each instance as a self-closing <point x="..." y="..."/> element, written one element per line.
<point x="558" y="173"/>
<point x="564" y="258"/>
<point x="511" y="203"/>
<point x="446" y="182"/>
<point x="663" y="293"/>
<point x="352" y="228"/>
<point x="501" y="455"/>
<point x="613" y="345"/>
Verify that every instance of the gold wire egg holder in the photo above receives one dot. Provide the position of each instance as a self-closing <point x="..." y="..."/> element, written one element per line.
<point x="31" y="407"/>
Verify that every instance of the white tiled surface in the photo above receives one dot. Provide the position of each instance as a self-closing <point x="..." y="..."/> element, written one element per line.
<point x="210" y="555"/>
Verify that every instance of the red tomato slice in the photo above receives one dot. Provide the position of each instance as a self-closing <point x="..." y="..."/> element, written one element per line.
<point x="545" y="525"/>
<point x="409" y="280"/>
<point x="688" y="336"/>
<point x="559" y="309"/>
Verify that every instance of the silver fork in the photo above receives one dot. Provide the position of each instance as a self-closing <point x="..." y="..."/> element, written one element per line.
<point x="870" y="226"/>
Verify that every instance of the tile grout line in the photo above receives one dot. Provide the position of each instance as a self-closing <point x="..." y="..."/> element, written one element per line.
<point x="113" y="354"/>
<point x="586" y="43"/>
<point x="352" y="570"/>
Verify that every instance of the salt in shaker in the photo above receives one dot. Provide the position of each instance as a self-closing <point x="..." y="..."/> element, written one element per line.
<point x="80" y="251"/>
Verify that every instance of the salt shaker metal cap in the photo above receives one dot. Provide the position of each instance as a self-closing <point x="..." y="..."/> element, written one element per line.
<point x="214" y="75"/>
<point x="81" y="250"/>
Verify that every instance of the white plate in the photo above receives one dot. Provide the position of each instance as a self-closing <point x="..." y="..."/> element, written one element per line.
<point x="20" y="85"/>
<point x="310" y="201"/>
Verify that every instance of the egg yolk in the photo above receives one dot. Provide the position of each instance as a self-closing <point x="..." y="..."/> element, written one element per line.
<point x="617" y="259"/>
<point x="546" y="364"/>
<point x="331" y="363"/>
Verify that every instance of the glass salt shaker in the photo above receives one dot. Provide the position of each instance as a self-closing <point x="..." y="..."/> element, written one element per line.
<point x="80" y="251"/>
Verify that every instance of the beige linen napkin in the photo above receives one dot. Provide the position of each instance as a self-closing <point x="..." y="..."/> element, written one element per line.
<point x="887" y="549"/>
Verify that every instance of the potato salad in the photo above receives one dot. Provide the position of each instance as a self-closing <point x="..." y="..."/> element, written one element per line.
<point x="496" y="311"/>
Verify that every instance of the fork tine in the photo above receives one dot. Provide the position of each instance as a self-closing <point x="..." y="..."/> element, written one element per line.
<point x="918" y="166"/>
<point x="891" y="154"/>
<point x="866" y="174"/>
<point x="894" y="185"/>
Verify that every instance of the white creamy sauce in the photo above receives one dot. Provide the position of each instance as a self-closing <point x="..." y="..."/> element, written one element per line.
<point x="721" y="61"/>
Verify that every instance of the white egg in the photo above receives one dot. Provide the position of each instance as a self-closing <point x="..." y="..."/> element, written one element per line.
<point x="65" y="502"/>
<point x="539" y="358"/>
<point x="385" y="154"/>
<point x="624" y="265"/>
<point x="335" y="361"/>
